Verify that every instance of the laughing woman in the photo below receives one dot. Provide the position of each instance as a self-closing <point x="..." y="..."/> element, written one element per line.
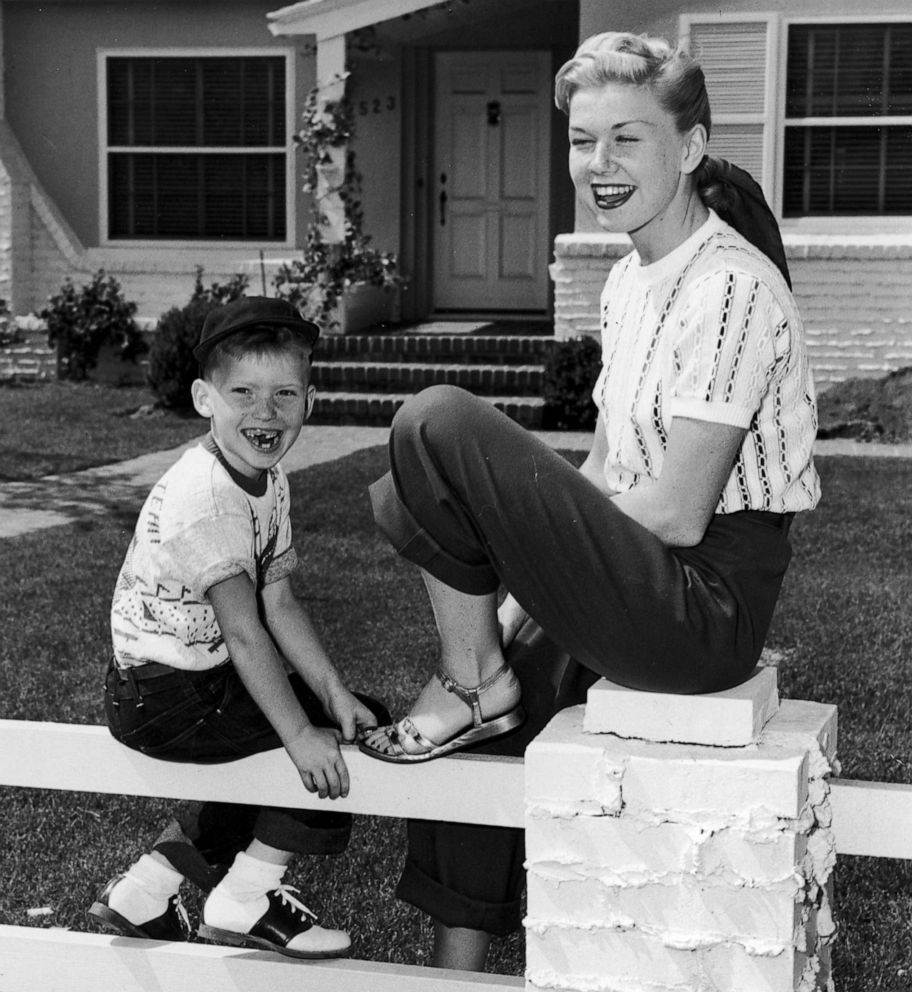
<point x="658" y="563"/>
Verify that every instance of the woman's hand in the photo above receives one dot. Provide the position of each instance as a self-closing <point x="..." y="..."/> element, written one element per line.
<point x="315" y="753"/>
<point x="510" y="616"/>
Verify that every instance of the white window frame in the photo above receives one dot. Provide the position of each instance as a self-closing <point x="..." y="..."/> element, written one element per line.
<point x="272" y="51"/>
<point x="774" y="138"/>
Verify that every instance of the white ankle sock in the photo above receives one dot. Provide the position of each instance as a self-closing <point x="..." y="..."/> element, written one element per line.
<point x="145" y="890"/>
<point x="239" y="900"/>
<point x="249" y="878"/>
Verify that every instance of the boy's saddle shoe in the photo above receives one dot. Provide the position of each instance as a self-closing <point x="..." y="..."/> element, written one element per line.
<point x="282" y="923"/>
<point x="170" y="925"/>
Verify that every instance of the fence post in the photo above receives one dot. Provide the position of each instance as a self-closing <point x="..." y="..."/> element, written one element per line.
<point x="681" y="843"/>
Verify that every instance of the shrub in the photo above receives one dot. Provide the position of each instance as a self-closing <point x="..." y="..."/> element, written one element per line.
<point x="172" y="367"/>
<point x="571" y="370"/>
<point x="80" y="321"/>
<point x="868" y="409"/>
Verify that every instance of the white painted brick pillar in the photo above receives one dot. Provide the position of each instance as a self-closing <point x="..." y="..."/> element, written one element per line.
<point x="681" y="843"/>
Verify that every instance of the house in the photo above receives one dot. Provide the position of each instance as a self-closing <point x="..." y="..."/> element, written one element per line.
<point x="149" y="138"/>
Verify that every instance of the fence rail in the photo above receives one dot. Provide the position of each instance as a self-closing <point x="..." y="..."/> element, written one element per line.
<point x="38" y="960"/>
<point x="463" y="788"/>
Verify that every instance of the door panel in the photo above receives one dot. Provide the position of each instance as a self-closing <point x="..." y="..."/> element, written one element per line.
<point x="491" y="148"/>
<point x="471" y="231"/>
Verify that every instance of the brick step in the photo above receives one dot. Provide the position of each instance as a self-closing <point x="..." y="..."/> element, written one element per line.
<point x="389" y="377"/>
<point x="503" y="349"/>
<point x="378" y="409"/>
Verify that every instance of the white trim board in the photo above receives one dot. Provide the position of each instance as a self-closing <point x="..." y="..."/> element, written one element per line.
<point x="79" y="758"/>
<point x="329" y="18"/>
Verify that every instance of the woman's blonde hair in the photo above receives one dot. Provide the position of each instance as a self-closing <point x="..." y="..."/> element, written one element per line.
<point x="678" y="84"/>
<point x="675" y="78"/>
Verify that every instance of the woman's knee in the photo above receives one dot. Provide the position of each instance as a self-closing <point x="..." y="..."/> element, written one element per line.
<point x="436" y="406"/>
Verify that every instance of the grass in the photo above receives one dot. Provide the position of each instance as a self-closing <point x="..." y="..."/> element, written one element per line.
<point x="841" y="633"/>
<point x="52" y="427"/>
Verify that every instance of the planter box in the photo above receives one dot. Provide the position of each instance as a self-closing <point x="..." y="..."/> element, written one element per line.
<point x="364" y="306"/>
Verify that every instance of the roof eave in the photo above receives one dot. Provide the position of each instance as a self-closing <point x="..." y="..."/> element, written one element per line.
<point x="329" y="18"/>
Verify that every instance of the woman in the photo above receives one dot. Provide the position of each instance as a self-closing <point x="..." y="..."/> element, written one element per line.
<point x="658" y="563"/>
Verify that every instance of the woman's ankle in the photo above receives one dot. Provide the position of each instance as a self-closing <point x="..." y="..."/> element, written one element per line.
<point x="460" y="948"/>
<point x="472" y="671"/>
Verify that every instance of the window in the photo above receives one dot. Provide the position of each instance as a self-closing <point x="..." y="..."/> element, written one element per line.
<point x="196" y="148"/>
<point x="818" y="111"/>
<point x="848" y="120"/>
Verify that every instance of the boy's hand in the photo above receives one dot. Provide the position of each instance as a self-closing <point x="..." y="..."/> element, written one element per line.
<point x="345" y="709"/>
<point x="315" y="753"/>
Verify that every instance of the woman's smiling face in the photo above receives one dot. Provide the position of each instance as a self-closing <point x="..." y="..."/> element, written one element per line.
<point x="631" y="165"/>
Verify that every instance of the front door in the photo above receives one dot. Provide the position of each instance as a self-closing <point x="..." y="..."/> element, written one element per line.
<point x="491" y="173"/>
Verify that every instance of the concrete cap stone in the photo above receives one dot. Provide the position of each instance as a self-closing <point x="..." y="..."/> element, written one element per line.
<point x="733" y="718"/>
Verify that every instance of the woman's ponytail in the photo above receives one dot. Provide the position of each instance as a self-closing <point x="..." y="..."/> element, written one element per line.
<point x="738" y="199"/>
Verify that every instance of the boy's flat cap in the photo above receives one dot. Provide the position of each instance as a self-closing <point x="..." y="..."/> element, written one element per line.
<point x="246" y="312"/>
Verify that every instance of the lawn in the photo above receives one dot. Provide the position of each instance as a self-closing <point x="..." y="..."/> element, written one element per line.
<point x="841" y="634"/>
<point x="53" y="427"/>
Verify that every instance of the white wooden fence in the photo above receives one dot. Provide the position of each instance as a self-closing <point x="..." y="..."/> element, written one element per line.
<point x="468" y="789"/>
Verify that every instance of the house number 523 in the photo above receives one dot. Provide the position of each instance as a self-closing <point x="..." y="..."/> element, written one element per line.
<point x="376" y="106"/>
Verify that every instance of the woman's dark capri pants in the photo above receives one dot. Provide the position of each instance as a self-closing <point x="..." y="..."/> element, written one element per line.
<point x="209" y="717"/>
<point x="479" y="502"/>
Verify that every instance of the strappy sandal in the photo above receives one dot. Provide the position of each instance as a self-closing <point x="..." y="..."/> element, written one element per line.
<point x="403" y="743"/>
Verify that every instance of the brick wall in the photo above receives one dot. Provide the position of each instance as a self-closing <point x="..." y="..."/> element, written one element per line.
<point x="856" y="298"/>
<point x="30" y="358"/>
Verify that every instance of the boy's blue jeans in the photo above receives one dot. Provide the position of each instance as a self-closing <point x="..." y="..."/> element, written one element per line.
<point x="209" y="717"/>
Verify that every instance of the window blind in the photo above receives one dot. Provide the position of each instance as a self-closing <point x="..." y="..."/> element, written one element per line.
<point x="854" y="73"/>
<point x="190" y="120"/>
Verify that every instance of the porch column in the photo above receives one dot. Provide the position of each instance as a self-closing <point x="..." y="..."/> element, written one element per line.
<point x="681" y="842"/>
<point x="331" y="75"/>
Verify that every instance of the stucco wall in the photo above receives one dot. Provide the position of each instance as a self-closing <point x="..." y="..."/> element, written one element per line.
<point x="660" y="17"/>
<point x="51" y="88"/>
<point x="375" y="91"/>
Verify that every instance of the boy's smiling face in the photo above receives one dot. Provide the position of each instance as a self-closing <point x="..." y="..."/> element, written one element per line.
<point x="257" y="405"/>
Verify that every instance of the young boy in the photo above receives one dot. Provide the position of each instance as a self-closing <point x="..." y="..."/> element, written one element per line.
<point x="206" y="627"/>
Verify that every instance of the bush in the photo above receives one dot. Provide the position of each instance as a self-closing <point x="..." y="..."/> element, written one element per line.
<point x="172" y="367"/>
<point x="81" y="321"/>
<point x="868" y="409"/>
<point x="571" y="370"/>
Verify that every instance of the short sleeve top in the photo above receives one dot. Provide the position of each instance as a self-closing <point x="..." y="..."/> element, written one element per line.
<point x="709" y="332"/>
<point x="197" y="528"/>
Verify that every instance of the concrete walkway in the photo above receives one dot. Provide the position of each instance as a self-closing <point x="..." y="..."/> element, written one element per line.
<point x="121" y="488"/>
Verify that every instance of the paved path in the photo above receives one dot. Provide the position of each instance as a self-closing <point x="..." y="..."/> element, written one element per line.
<point x="121" y="488"/>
